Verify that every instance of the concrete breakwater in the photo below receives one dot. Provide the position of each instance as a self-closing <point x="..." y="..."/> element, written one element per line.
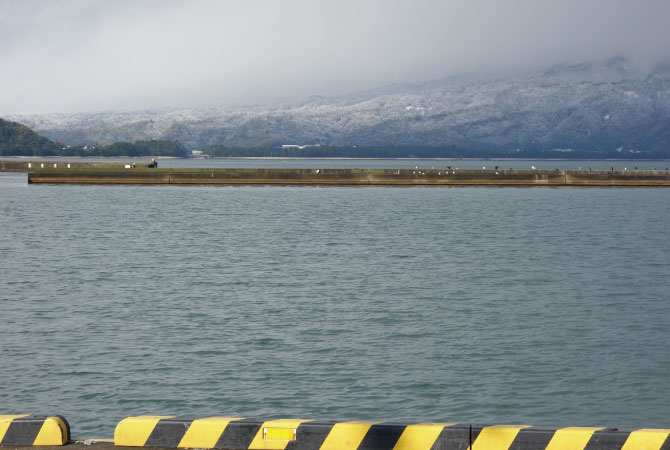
<point x="26" y="165"/>
<point x="346" y="177"/>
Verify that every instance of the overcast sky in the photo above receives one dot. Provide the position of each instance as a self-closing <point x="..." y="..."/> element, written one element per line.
<point x="70" y="55"/>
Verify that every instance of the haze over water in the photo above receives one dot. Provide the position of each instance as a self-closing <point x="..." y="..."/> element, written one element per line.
<point x="545" y="306"/>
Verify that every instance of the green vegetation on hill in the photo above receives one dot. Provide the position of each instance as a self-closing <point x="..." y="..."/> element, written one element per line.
<point x="138" y="148"/>
<point x="19" y="140"/>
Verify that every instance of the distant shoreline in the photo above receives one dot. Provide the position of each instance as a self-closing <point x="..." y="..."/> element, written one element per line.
<point x="436" y="159"/>
<point x="335" y="158"/>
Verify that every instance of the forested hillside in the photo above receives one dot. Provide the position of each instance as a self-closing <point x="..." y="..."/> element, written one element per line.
<point x="19" y="140"/>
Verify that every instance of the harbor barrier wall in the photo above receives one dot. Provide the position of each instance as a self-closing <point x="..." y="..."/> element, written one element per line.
<point x="235" y="433"/>
<point x="289" y="434"/>
<point x="349" y="177"/>
<point x="517" y="437"/>
<point x="25" y="429"/>
<point x="297" y="434"/>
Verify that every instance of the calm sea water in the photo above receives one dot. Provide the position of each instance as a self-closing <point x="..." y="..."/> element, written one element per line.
<point x="546" y="306"/>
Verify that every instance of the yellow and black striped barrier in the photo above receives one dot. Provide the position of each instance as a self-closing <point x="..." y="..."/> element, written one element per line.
<point x="287" y="434"/>
<point x="25" y="429"/>
<point x="296" y="434"/>
<point x="522" y="437"/>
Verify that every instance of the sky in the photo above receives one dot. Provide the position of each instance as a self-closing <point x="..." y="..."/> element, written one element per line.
<point x="92" y="55"/>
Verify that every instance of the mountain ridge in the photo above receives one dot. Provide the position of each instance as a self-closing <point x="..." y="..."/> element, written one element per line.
<point x="605" y="107"/>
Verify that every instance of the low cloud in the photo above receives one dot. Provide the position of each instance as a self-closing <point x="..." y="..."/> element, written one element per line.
<point x="94" y="55"/>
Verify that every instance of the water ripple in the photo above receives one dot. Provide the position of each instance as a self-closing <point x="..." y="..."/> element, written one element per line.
<point x="542" y="306"/>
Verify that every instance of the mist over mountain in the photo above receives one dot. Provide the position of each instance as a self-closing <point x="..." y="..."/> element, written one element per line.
<point x="604" y="107"/>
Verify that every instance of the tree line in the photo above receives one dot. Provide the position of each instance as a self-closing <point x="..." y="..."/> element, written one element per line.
<point x="19" y="140"/>
<point x="328" y="151"/>
<point x="130" y="149"/>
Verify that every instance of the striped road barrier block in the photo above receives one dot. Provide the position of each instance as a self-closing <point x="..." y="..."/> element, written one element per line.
<point x="523" y="437"/>
<point x="25" y="429"/>
<point x="295" y="434"/>
<point x="288" y="434"/>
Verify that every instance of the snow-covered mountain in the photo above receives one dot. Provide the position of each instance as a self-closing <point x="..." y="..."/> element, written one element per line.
<point x="592" y="106"/>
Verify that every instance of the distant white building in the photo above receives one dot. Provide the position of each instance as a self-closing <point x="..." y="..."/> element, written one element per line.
<point x="198" y="154"/>
<point x="299" y="146"/>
